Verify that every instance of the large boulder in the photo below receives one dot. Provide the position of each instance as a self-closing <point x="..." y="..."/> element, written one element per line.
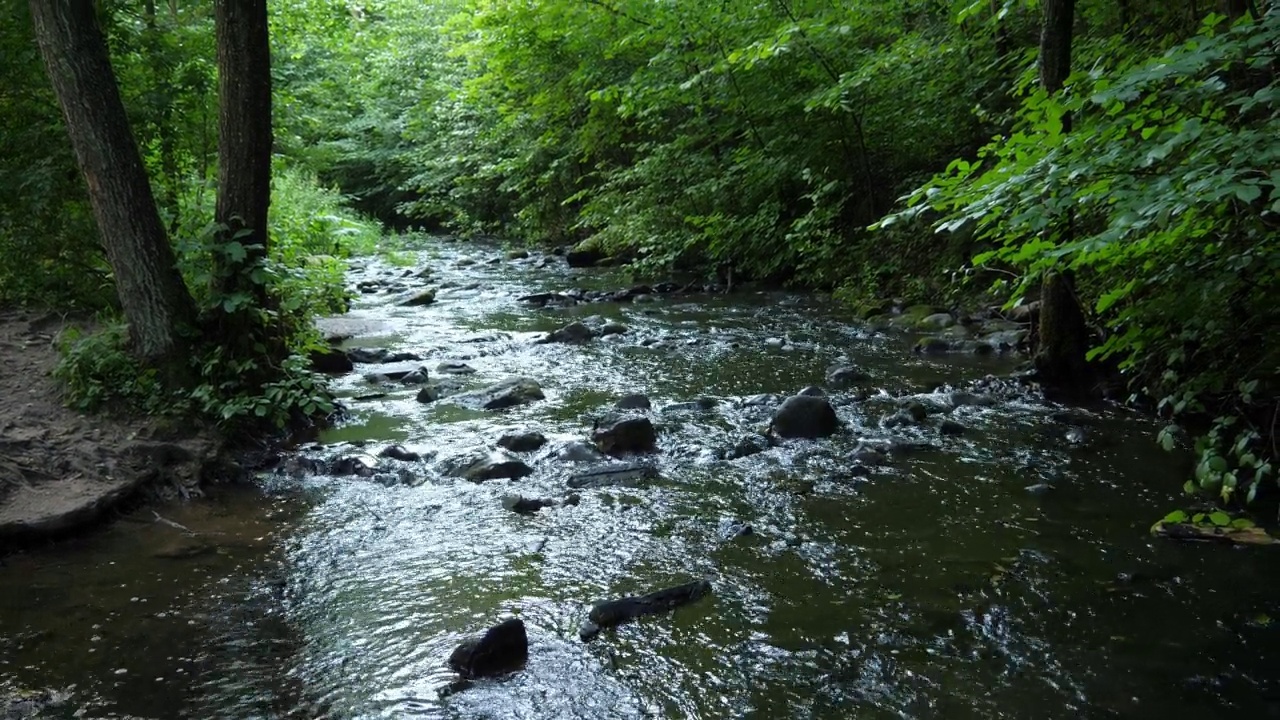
<point x="804" y="416"/>
<point x="583" y="257"/>
<point x="505" y="394"/>
<point x="624" y="434"/>
<point x="503" y="648"/>
<point x="331" y="361"/>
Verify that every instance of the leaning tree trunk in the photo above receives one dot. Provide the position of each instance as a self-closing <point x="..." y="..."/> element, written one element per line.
<point x="155" y="301"/>
<point x="1063" y="335"/>
<point x="244" y="135"/>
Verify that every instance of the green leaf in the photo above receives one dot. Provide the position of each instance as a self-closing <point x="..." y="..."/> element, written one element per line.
<point x="1248" y="193"/>
<point x="1177" y="516"/>
<point x="1220" y="519"/>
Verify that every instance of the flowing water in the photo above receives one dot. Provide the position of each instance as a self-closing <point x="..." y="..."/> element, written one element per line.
<point x="931" y="585"/>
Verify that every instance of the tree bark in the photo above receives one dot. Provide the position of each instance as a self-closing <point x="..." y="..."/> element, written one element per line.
<point x="1055" y="43"/>
<point x="244" y="136"/>
<point x="1063" y="335"/>
<point x="156" y="302"/>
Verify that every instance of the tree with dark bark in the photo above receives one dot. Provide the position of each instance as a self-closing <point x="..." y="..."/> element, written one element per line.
<point x="244" y="141"/>
<point x="156" y="302"/>
<point x="250" y="327"/>
<point x="1063" y="336"/>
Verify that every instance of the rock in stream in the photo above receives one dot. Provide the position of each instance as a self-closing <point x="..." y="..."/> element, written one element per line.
<point x="615" y="612"/>
<point x="503" y="648"/>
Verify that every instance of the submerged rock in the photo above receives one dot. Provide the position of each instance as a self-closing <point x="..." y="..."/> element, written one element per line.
<point x="967" y="399"/>
<point x="526" y="506"/>
<point x="748" y="445"/>
<point x="613" y="328"/>
<point x="952" y="346"/>
<point x="804" y="416"/>
<point x="625" y="434"/>
<point x="624" y="474"/>
<point x="916" y="410"/>
<point x="454" y="367"/>
<point x="505" y="394"/>
<point x="936" y="321"/>
<point x="700" y="405"/>
<point x="634" y="401"/>
<point x="615" y="612"/>
<point x="377" y="356"/>
<point x="547" y="298"/>
<point x="503" y="648"/>
<point x="579" y="451"/>
<point x="844" y="375"/>
<point x="397" y="452"/>
<point x="357" y="465"/>
<point x="406" y="372"/>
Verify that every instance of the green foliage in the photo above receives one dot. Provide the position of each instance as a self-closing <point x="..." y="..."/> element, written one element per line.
<point x="1168" y="175"/>
<point x="97" y="372"/>
<point x="48" y="242"/>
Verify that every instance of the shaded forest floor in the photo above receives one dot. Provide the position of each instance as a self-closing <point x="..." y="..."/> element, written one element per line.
<point x="61" y="469"/>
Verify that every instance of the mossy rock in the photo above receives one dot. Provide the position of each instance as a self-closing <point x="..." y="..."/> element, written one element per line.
<point x="872" y="309"/>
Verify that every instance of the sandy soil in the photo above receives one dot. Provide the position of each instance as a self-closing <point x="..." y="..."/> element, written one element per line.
<point x="60" y="469"/>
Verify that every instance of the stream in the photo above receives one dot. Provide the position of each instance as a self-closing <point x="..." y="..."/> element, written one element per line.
<point x="1003" y="572"/>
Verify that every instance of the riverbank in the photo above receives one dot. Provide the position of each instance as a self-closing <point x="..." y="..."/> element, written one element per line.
<point x="61" y="470"/>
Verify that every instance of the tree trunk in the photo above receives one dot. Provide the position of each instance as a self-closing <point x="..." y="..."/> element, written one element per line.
<point x="1055" y="43"/>
<point x="1063" y="337"/>
<point x="244" y="137"/>
<point x="156" y="303"/>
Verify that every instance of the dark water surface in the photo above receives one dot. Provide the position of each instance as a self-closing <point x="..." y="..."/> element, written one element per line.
<point x="935" y="586"/>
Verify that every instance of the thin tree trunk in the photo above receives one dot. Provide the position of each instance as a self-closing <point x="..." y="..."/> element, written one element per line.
<point x="156" y="303"/>
<point x="244" y="135"/>
<point x="1063" y="334"/>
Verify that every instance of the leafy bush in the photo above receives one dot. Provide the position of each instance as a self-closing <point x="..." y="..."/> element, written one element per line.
<point x="97" y="372"/>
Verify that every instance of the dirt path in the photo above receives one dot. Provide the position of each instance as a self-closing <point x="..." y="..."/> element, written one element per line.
<point x="59" y="469"/>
